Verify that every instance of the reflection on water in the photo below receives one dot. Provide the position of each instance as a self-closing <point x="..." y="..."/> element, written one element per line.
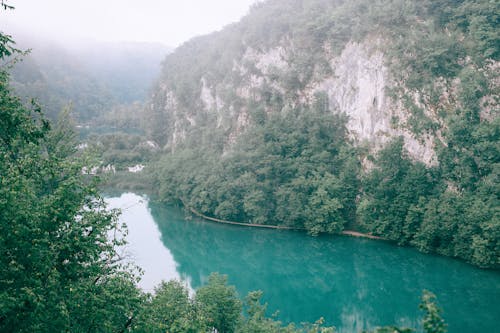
<point x="354" y="284"/>
<point x="144" y="245"/>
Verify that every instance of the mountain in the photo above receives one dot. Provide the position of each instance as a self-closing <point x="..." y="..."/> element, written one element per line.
<point x="394" y="67"/>
<point x="91" y="76"/>
<point x="379" y="116"/>
<point x="127" y="69"/>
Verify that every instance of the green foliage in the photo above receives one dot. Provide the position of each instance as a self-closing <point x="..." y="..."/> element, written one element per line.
<point x="479" y="21"/>
<point x="427" y="43"/>
<point x="392" y="191"/>
<point x="256" y="320"/>
<point x="215" y="306"/>
<point x="451" y="209"/>
<point x="293" y="165"/>
<point x="97" y="79"/>
<point x="432" y="322"/>
<point x="7" y="46"/>
<point x="59" y="269"/>
<point x="169" y="310"/>
<point x="125" y="117"/>
<point x="5" y="5"/>
<point x="219" y="304"/>
<point x="57" y="85"/>
<point x="121" y="149"/>
<point x="296" y="169"/>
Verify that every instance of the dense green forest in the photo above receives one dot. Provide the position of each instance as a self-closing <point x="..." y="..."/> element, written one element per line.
<point x="59" y="266"/>
<point x="295" y="164"/>
<point x="60" y="270"/>
<point x="297" y="169"/>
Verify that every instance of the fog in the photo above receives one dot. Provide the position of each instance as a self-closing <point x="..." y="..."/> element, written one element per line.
<point x="168" y="22"/>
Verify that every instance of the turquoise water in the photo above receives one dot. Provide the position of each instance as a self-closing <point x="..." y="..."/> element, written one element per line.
<point x="353" y="283"/>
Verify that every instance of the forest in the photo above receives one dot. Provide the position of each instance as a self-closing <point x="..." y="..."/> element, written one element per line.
<point x="295" y="165"/>
<point x="60" y="269"/>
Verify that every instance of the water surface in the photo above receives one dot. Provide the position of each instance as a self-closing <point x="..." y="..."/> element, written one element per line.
<point x="353" y="283"/>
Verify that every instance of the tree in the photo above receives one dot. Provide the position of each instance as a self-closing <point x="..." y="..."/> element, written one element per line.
<point x="392" y="191"/>
<point x="169" y="310"/>
<point x="59" y="271"/>
<point x="324" y="210"/>
<point x="432" y="322"/>
<point x="219" y="304"/>
<point x="6" y="42"/>
<point x="256" y="320"/>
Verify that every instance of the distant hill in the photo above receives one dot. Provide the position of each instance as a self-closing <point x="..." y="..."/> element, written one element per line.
<point x="91" y="76"/>
<point x="127" y="69"/>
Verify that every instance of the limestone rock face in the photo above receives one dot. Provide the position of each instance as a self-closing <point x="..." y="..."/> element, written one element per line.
<point x="359" y="88"/>
<point x="356" y="82"/>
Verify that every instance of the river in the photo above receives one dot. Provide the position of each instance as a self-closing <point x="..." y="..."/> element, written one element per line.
<point x="354" y="283"/>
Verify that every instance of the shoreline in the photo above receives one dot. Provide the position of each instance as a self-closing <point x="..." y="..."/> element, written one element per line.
<point x="350" y="233"/>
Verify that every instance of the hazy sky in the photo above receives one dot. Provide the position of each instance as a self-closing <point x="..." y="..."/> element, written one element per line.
<point x="167" y="21"/>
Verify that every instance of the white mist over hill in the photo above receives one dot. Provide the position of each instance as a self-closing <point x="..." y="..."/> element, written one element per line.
<point x="166" y="22"/>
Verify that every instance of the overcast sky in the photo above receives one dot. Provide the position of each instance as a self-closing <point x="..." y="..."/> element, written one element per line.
<point x="170" y="22"/>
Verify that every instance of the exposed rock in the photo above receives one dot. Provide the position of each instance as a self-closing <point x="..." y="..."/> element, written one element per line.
<point x="151" y="144"/>
<point x="356" y="83"/>
<point x="82" y="146"/>
<point x="136" y="168"/>
<point x="110" y="168"/>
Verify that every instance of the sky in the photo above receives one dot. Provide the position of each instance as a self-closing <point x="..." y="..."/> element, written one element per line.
<point x="170" y="22"/>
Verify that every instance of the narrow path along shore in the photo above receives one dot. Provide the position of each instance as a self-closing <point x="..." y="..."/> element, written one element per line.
<point x="213" y="219"/>
<point x="360" y="234"/>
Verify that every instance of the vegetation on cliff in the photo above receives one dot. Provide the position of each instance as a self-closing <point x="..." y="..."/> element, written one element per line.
<point x="297" y="169"/>
<point x="59" y="266"/>
<point x="272" y="156"/>
<point x="60" y="270"/>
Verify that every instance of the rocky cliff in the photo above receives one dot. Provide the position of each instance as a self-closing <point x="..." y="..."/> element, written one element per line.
<point x="342" y="56"/>
<point x="380" y="116"/>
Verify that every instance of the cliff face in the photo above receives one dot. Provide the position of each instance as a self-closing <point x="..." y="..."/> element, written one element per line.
<point x="356" y="84"/>
<point x="316" y="113"/>
<point x="233" y="76"/>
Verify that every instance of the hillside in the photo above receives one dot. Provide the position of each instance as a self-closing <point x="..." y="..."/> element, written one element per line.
<point x="127" y="69"/>
<point x="391" y="66"/>
<point x="380" y="116"/>
<point x="94" y="77"/>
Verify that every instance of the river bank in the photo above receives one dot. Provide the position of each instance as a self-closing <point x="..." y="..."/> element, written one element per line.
<point x="350" y="233"/>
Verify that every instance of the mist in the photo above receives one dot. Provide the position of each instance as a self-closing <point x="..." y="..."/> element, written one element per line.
<point x="94" y="55"/>
<point x="167" y="22"/>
